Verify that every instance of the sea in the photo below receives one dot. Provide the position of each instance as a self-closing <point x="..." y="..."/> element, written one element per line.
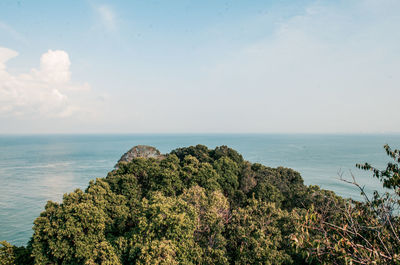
<point x="37" y="168"/>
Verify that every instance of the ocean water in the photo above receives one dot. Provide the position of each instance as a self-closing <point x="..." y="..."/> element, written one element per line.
<point x="35" y="169"/>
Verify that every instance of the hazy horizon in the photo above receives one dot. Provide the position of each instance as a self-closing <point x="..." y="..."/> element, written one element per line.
<point x="116" y="67"/>
<point x="21" y="134"/>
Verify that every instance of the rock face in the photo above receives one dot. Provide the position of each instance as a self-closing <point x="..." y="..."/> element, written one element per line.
<point x="144" y="151"/>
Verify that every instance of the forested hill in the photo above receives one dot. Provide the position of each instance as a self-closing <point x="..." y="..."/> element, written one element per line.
<point x="204" y="206"/>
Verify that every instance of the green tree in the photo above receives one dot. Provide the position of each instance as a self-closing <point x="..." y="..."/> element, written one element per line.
<point x="202" y="206"/>
<point x="255" y="234"/>
<point x="165" y="230"/>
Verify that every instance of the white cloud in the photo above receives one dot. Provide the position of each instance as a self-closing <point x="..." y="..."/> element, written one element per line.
<point x="44" y="92"/>
<point x="54" y="67"/>
<point x="5" y="55"/>
<point x="107" y="16"/>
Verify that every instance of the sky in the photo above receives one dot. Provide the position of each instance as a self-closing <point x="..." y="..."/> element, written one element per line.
<point x="200" y="66"/>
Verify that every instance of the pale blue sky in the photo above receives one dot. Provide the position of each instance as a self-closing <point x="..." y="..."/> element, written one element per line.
<point x="200" y="66"/>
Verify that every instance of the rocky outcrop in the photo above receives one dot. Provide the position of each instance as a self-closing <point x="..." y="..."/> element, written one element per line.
<point x="144" y="151"/>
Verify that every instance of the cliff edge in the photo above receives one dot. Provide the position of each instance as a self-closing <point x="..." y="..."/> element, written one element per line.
<point x="144" y="151"/>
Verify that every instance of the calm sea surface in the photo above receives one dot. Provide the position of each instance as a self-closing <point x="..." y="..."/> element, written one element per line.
<point x="35" y="169"/>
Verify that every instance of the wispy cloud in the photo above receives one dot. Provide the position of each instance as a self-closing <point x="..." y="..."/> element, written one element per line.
<point x="107" y="17"/>
<point x="12" y="32"/>
<point x="327" y="70"/>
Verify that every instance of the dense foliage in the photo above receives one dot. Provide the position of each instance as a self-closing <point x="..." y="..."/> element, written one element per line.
<point x="202" y="206"/>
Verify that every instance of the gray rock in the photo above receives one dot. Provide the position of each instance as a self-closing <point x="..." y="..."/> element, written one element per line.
<point x="144" y="151"/>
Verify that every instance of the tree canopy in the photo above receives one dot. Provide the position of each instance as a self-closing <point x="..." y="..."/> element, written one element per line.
<point x="198" y="206"/>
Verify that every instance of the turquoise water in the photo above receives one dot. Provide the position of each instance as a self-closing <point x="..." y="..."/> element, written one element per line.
<point x="35" y="169"/>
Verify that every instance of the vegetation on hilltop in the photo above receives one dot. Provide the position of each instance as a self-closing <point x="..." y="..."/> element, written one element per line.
<point x="202" y="206"/>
